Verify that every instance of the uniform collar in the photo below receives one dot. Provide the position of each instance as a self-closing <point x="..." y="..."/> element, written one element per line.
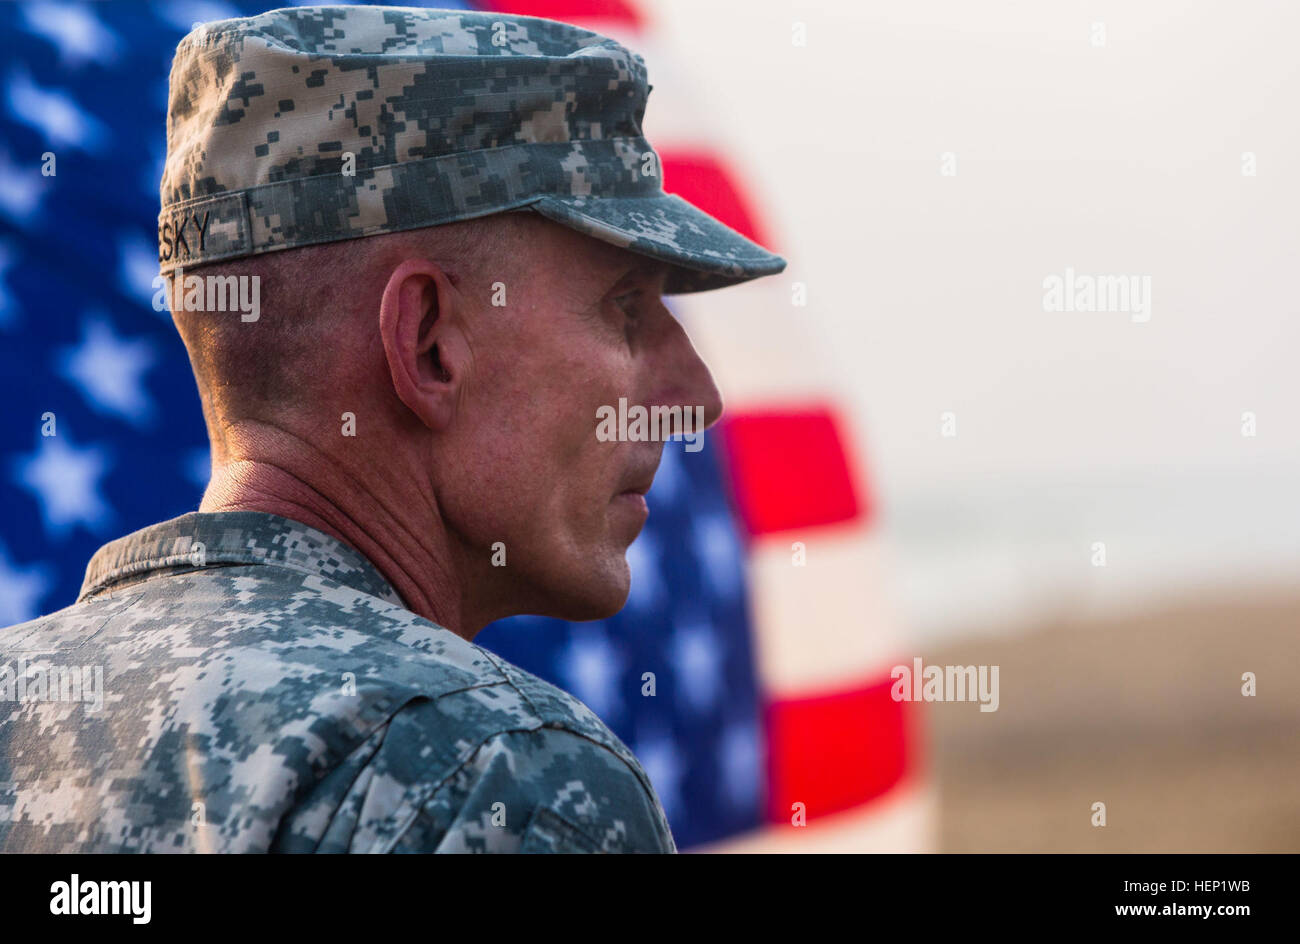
<point x="197" y="540"/>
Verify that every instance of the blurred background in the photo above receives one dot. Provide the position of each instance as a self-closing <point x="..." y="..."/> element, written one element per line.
<point x="918" y="460"/>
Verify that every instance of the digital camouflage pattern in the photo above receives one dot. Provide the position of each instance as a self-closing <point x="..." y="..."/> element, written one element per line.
<point x="264" y="689"/>
<point x="317" y="124"/>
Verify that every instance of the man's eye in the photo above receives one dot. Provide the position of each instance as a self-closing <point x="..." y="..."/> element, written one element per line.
<point x="630" y="302"/>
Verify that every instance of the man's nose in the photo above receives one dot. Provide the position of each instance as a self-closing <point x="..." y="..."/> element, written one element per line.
<point x="689" y="383"/>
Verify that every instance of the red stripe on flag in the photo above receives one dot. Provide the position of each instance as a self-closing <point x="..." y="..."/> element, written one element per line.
<point x="570" y="11"/>
<point x="790" y="469"/>
<point x="834" y="752"/>
<point x="699" y="178"/>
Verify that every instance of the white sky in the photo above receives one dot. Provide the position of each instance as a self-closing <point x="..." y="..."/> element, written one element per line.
<point x="926" y="292"/>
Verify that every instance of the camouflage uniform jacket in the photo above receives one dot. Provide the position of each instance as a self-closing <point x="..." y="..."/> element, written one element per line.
<point x="264" y="689"/>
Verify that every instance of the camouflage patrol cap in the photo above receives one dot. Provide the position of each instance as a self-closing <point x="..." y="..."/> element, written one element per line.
<point x="317" y="124"/>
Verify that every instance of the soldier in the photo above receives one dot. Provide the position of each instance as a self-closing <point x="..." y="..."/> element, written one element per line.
<point x="456" y="240"/>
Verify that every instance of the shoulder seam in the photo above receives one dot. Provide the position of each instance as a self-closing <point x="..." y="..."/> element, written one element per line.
<point x="519" y="691"/>
<point x="537" y="713"/>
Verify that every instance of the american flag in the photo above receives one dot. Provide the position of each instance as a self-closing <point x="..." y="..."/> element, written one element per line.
<point x="752" y="610"/>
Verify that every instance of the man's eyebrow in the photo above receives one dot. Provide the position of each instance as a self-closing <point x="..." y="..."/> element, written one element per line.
<point x="641" y="269"/>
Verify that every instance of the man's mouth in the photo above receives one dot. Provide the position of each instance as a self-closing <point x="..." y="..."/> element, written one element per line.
<point x="638" y="476"/>
<point x="638" y="485"/>
<point x="634" y="502"/>
<point x="635" y="496"/>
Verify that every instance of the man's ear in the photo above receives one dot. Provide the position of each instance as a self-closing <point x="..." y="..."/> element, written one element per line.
<point x="420" y="323"/>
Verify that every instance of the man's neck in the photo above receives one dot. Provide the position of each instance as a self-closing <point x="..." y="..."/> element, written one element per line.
<point x="416" y="569"/>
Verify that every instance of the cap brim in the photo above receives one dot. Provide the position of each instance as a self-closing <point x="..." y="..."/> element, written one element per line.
<point x="704" y="253"/>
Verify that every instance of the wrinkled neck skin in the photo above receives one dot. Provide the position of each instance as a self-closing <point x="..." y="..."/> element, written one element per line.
<point x="397" y="529"/>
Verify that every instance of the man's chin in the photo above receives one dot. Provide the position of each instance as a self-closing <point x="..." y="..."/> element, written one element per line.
<point x="587" y="612"/>
<point x="589" y="606"/>
<point x="592" y="596"/>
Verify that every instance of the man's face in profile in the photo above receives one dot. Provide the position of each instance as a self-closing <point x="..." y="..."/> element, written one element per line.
<point x="584" y="325"/>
